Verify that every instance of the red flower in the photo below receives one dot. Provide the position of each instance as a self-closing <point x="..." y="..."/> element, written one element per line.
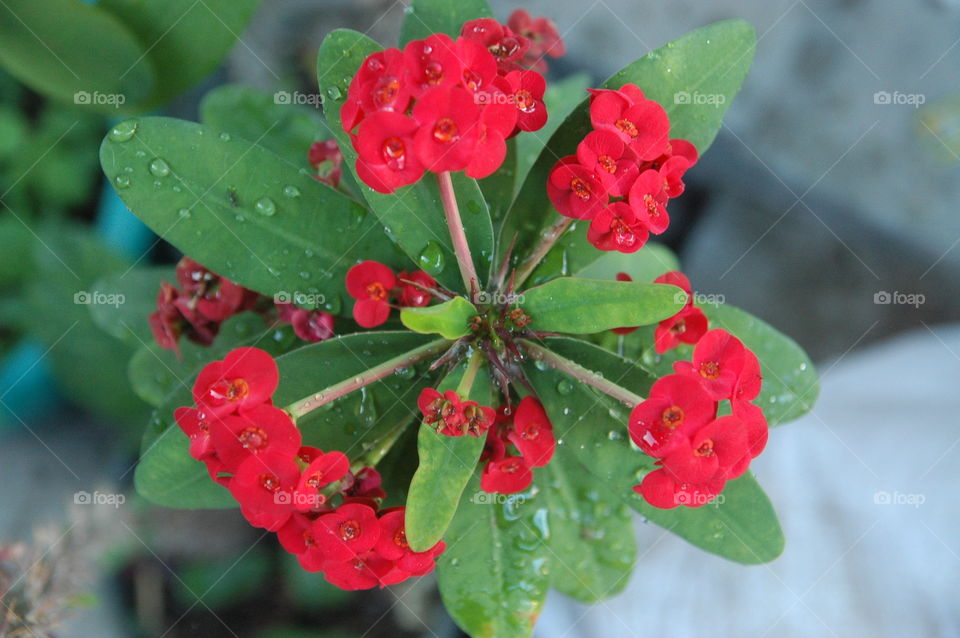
<point x="478" y="67"/>
<point x="347" y="532"/>
<point x="606" y="155"/>
<point x="194" y="425"/>
<point x="259" y="430"/>
<point x="527" y="89"/>
<point x="359" y="572"/>
<point x="385" y="151"/>
<point x="710" y="453"/>
<point x="325" y="158"/>
<point x="543" y="35"/>
<point x="671" y="172"/>
<point x="370" y="283"/>
<point x="323" y="470"/>
<point x="497" y="121"/>
<point x="574" y="190"/>
<point x="506" y="476"/>
<point x="616" y="227"/>
<point x="532" y="432"/>
<point x="449" y="128"/>
<point x="677" y="407"/>
<point x="750" y="380"/>
<point x="661" y="490"/>
<point x="380" y="82"/>
<point x="474" y="420"/>
<point x="167" y="323"/>
<point x="439" y="408"/>
<point x="649" y="201"/>
<point x="264" y="485"/>
<point x="641" y="123"/>
<point x="296" y="536"/>
<point x="412" y="296"/>
<point x="206" y="296"/>
<point x="246" y="377"/>
<point x="756" y="425"/>
<point x="506" y="46"/>
<point x="312" y="325"/>
<point x="687" y="326"/>
<point x="717" y="362"/>
<point x="393" y="545"/>
<point x="431" y="62"/>
<point x="365" y="484"/>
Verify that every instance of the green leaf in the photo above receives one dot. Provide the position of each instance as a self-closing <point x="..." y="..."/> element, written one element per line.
<point x="646" y="264"/>
<point x="167" y="474"/>
<point x="413" y="215"/>
<point x="446" y="464"/>
<point x="183" y="39"/>
<point x="581" y="306"/>
<point x="74" y="52"/>
<point x="790" y="383"/>
<point x="494" y="575"/>
<point x="742" y="526"/>
<point x="450" y="319"/>
<point x="592" y="544"/>
<point x="286" y="129"/>
<point x="123" y="301"/>
<point x="498" y="188"/>
<point x="426" y="17"/>
<point x="711" y="61"/>
<point x="241" y="211"/>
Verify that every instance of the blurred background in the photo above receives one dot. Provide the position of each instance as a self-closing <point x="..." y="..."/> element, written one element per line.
<point x="828" y="206"/>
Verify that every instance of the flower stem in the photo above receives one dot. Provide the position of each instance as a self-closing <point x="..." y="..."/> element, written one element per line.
<point x="460" y="246"/>
<point x="470" y="374"/>
<point x="373" y="456"/>
<point x="365" y="378"/>
<point x="580" y="373"/>
<point x="547" y="239"/>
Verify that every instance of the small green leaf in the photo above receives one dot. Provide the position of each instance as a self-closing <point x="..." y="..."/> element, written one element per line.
<point x="74" y="52"/>
<point x="286" y="129"/>
<point x="591" y="532"/>
<point x="581" y="306"/>
<point x="184" y="40"/>
<point x="708" y="64"/>
<point x="446" y="463"/>
<point x="426" y="17"/>
<point x="413" y="215"/>
<point x="495" y="573"/>
<point x="241" y="211"/>
<point x="450" y="319"/>
<point x="123" y="301"/>
<point x="167" y="475"/>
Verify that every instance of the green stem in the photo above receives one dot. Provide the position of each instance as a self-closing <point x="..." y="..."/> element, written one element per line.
<point x="547" y="239"/>
<point x="365" y="378"/>
<point x="455" y="224"/>
<point x="373" y="456"/>
<point x="580" y="373"/>
<point x="470" y="374"/>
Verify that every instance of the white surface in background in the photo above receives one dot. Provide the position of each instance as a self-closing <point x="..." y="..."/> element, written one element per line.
<point x="888" y="422"/>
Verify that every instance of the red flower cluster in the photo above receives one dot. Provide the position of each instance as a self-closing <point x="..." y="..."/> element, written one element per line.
<point x="327" y="160"/>
<point x="678" y="423"/>
<point x="197" y="307"/>
<point x="687" y="326"/>
<point x="531" y="434"/>
<point x="624" y="172"/>
<point x="374" y="286"/>
<point x="452" y="416"/>
<point x="543" y="36"/>
<point x="310" y="325"/>
<point x="322" y="511"/>
<point x="442" y="105"/>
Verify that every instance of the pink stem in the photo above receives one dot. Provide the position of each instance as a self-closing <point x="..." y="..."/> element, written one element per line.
<point x="457" y="234"/>
<point x="547" y="240"/>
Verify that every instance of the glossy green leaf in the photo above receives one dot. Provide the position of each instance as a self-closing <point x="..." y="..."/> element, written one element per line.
<point x="742" y="526"/>
<point x="581" y="306"/>
<point x="74" y="52"/>
<point x="592" y="546"/>
<point x="352" y="424"/>
<point x="241" y="211"/>
<point x="708" y="64"/>
<point x="413" y="214"/>
<point x="450" y="319"/>
<point x="446" y="464"/>
<point x="120" y="303"/>
<point x="184" y="40"/>
<point x="646" y="264"/>
<point x="425" y="17"/>
<point x="495" y="572"/>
